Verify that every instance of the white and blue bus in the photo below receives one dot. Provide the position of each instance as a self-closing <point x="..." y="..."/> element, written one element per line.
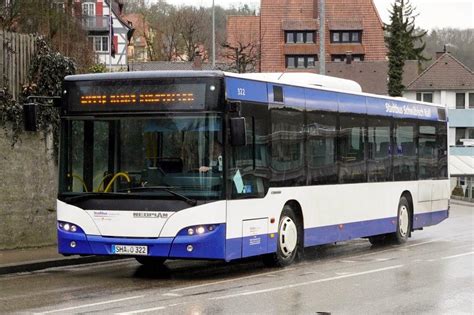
<point x="213" y="165"/>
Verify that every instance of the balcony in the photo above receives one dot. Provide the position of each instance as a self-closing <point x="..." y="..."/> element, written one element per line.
<point x="461" y="117"/>
<point x="95" y="23"/>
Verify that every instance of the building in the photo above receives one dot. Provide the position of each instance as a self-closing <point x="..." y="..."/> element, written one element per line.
<point x="447" y="81"/>
<point x="96" y="16"/>
<point x="288" y="33"/>
<point x="139" y="49"/>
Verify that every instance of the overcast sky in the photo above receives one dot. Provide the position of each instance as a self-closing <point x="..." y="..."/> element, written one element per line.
<point x="432" y="13"/>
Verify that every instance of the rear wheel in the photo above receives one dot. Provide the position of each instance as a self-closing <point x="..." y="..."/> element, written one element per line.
<point x="404" y="223"/>
<point x="150" y="261"/>
<point x="290" y="232"/>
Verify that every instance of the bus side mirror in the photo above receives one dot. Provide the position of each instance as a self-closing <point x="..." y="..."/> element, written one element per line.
<point x="29" y="116"/>
<point x="238" y="133"/>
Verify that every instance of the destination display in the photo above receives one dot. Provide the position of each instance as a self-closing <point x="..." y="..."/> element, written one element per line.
<point x="135" y="96"/>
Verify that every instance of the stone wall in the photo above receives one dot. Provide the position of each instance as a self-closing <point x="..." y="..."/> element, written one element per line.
<point x="28" y="189"/>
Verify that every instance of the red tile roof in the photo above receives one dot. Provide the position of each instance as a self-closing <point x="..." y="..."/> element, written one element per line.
<point x="446" y="73"/>
<point x="371" y="75"/>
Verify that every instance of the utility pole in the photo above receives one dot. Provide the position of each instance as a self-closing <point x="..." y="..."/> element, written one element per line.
<point x="213" y="36"/>
<point x="322" y="37"/>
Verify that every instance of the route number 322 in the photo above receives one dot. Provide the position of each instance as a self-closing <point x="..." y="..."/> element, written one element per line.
<point x="240" y="91"/>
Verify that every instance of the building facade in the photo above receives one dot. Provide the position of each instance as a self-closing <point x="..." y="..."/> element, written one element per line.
<point x="140" y="47"/>
<point x="288" y="33"/>
<point x="447" y="81"/>
<point x="97" y="16"/>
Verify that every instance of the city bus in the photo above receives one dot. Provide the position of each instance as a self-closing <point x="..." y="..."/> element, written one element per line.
<point x="222" y="166"/>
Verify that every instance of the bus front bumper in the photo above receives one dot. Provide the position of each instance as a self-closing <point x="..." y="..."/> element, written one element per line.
<point x="210" y="245"/>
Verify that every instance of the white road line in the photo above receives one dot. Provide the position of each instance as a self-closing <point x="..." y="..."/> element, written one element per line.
<point x="423" y="243"/>
<point x="143" y="310"/>
<point x="171" y="294"/>
<point x="459" y="255"/>
<point x="305" y="283"/>
<point x="92" y="304"/>
<point x="231" y="280"/>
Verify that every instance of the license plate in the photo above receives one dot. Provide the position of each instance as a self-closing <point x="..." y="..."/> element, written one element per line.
<point x="129" y="250"/>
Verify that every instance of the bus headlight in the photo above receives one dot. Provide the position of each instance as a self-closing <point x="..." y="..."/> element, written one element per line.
<point x="199" y="229"/>
<point x="68" y="227"/>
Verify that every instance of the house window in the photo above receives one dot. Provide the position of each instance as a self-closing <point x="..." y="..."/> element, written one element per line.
<point x="424" y="97"/>
<point x="470" y="133"/>
<point x="346" y="36"/>
<point x="301" y="61"/>
<point x="88" y="9"/>
<point x="471" y="100"/>
<point x="460" y="134"/>
<point x="299" y="37"/>
<point x="460" y="100"/>
<point x="100" y="43"/>
<point x="342" y="58"/>
<point x="58" y="6"/>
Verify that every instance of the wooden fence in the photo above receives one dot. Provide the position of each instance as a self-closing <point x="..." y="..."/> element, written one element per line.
<point x="16" y="52"/>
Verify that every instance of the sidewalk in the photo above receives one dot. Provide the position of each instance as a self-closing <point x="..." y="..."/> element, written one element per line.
<point x="25" y="260"/>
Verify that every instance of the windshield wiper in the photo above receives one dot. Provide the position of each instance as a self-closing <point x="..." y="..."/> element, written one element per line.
<point x="189" y="201"/>
<point x="89" y="195"/>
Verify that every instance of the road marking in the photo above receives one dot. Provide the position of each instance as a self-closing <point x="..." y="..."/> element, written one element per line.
<point x="289" y="286"/>
<point x="423" y="243"/>
<point x="143" y="310"/>
<point x="92" y="304"/>
<point x="459" y="255"/>
<point x="231" y="280"/>
<point x="171" y="294"/>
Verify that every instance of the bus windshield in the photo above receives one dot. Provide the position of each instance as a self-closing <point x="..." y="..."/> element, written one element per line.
<point x="148" y="156"/>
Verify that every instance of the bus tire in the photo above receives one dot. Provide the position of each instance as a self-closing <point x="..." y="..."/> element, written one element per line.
<point x="290" y="240"/>
<point x="150" y="261"/>
<point x="404" y="223"/>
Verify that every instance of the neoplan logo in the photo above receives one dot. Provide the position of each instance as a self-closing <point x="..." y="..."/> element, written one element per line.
<point x="151" y="215"/>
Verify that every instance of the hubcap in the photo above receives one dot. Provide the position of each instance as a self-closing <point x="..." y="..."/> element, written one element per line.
<point x="288" y="236"/>
<point x="403" y="221"/>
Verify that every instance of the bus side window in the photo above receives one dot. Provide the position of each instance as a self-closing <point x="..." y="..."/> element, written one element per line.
<point x="379" y="160"/>
<point x="352" y="166"/>
<point x="321" y="148"/>
<point x="405" y="160"/>
<point x="250" y="163"/>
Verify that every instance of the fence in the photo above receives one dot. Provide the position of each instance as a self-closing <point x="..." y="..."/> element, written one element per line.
<point x="16" y="52"/>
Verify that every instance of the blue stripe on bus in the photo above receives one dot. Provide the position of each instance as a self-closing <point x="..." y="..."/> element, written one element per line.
<point x="239" y="89"/>
<point x="314" y="99"/>
<point x="214" y="245"/>
<point x="210" y="245"/>
<point x="352" y="103"/>
<point x="430" y="218"/>
<point x="321" y="100"/>
<point x="334" y="233"/>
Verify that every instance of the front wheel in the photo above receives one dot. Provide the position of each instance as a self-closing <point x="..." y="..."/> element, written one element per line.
<point x="404" y="223"/>
<point x="289" y="240"/>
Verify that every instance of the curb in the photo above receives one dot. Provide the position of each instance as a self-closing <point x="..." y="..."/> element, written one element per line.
<point x="50" y="263"/>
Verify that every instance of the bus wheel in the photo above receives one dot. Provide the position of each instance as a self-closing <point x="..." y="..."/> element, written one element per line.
<point x="289" y="240"/>
<point x="404" y="223"/>
<point x="150" y="261"/>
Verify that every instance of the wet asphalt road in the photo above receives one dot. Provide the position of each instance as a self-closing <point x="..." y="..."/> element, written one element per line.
<point x="433" y="273"/>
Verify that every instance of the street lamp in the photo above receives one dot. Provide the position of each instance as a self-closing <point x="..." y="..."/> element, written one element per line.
<point x="213" y="36"/>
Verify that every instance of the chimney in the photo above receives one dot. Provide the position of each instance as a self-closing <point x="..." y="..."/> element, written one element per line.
<point x="440" y="53"/>
<point x="348" y="57"/>
<point x="197" y="61"/>
<point x="315" y="9"/>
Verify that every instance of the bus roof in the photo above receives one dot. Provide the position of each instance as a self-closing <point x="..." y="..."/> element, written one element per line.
<point x="321" y="82"/>
<point x="143" y="75"/>
<point x="299" y="79"/>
